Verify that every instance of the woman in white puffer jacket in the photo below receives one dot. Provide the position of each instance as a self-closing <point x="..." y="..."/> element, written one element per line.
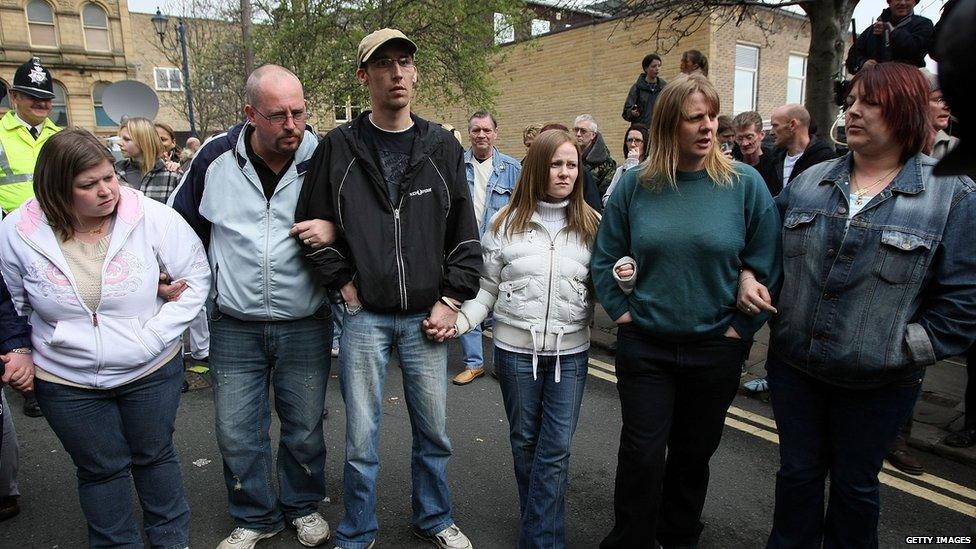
<point x="536" y="281"/>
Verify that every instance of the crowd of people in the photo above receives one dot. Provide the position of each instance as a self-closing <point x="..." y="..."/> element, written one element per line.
<point x="276" y="251"/>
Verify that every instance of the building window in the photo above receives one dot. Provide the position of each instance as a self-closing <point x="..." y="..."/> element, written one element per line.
<point x="344" y="112"/>
<point x="95" y="22"/>
<point x="102" y="119"/>
<point x="504" y="30"/>
<point x="746" y="72"/>
<point x="40" y="24"/>
<point x="59" y="106"/>
<point x="168" y="79"/>
<point x="796" y="79"/>
<point x="540" y="26"/>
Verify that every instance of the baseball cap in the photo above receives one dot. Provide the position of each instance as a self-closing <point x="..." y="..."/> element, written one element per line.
<point x="377" y="39"/>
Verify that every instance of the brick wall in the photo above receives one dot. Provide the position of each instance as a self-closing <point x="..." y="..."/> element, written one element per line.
<point x="589" y="69"/>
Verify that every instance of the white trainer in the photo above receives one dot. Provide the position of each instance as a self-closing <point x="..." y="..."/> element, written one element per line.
<point x="448" y="538"/>
<point x="243" y="538"/>
<point x="312" y="529"/>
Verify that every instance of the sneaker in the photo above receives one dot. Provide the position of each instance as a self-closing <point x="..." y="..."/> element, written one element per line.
<point x="312" y="529"/>
<point x="335" y="352"/>
<point x="242" y="538"/>
<point x="468" y="375"/>
<point x="758" y="385"/>
<point x="448" y="538"/>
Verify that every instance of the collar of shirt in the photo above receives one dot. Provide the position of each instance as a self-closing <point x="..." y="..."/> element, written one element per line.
<point x="38" y="127"/>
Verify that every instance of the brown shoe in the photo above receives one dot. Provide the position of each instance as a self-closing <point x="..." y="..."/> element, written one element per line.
<point x="468" y="375"/>
<point x="905" y="462"/>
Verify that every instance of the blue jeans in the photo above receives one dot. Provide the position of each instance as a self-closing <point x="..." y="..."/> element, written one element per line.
<point x="472" y="350"/>
<point x="245" y="359"/>
<point x="368" y="339"/>
<point x="338" y="313"/>
<point x="826" y="429"/>
<point x="542" y="417"/>
<point x="116" y="437"/>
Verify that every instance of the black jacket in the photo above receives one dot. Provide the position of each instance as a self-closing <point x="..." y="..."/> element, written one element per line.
<point x="643" y="95"/>
<point x="908" y="42"/>
<point x="817" y="151"/>
<point x="766" y="168"/>
<point x="14" y="330"/>
<point x="402" y="257"/>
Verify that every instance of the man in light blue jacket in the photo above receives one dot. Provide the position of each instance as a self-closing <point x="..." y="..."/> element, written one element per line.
<point x="491" y="178"/>
<point x="269" y="319"/>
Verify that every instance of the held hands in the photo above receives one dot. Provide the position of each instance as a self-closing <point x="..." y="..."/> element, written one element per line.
<point x="18" y="371"/>
<point x="314" y="233"/>
<point x="440" y="325"/>
<point x="170" y="291"/>
<point x="753" y="297"/>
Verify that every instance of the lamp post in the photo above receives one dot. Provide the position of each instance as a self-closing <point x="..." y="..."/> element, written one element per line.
<point x="160" y="21"/>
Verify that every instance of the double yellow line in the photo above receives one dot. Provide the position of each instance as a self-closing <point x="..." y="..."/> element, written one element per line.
<point x="935" y="489"/>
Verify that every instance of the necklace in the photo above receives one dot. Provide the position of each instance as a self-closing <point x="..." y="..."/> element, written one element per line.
<point x="859" y="194"/>
<point x="96" y="230"/>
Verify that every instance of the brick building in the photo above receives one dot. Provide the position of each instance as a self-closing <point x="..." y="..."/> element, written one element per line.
<point x="590" y="67"/>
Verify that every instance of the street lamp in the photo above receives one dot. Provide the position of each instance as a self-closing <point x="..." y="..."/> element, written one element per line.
<point x="160" y="21"/>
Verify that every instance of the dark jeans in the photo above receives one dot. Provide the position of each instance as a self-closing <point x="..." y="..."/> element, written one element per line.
<point x="116" y="437"/>
<point x="970" y="398"/>
<point x="825" y="429"/>
<point x="542" y="416"/>
<point x="673" y="399"/>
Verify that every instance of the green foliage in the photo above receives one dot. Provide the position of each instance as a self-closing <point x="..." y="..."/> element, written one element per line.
<point x="318" y="39"/>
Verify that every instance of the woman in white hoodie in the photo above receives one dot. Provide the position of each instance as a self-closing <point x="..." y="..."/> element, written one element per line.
<point x="83" y="260"/>
<point x="536" y="281"/>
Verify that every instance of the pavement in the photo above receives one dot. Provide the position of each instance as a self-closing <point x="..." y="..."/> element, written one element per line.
<point x="939" y="411"/>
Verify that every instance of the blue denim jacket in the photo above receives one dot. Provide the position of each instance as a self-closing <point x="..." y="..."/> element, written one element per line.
<point x="889" y="295"/>
<point x="504" y="175"/>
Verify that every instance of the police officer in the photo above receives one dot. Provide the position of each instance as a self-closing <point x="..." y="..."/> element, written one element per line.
<point x="23" y="130"/>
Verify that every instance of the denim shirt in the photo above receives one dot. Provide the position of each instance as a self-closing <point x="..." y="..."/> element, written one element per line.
<point x="895" y="291"/>
<point x="505" y="171"/>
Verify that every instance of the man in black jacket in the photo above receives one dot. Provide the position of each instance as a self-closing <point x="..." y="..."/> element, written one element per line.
<point x="798" y="150"/>
<point x="898" y="35"/>
<point x="749" y="135"/>
<point x="405" y="255"/>
<point x="643" y="94"/>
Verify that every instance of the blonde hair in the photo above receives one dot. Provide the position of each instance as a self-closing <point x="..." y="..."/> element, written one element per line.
<point x="533" y="183"/>
<point x="143" y="132"/>
<point x="661" y="167"/>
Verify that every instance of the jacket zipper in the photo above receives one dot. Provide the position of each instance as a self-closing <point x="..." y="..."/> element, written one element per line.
<point x="267" y="269"/>
<point x="552" y="260"/>
<point x="401" y="270"/>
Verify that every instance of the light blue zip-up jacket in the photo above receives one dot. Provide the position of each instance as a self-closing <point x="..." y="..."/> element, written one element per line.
<point x="260" y="272"/>
<point x="505" y="172"/>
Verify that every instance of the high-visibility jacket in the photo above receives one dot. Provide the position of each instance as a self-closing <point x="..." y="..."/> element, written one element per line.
<point x="18" y="154"/>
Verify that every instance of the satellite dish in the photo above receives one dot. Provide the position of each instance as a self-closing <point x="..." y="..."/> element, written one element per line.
<point x="129" y="99"/>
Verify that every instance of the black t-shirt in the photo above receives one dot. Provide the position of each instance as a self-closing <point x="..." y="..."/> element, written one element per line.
<point x="269" y="179"/>
<point x="392" y="152"/>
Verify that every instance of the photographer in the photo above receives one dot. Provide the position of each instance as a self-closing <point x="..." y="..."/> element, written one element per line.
<point x="643" y="94"/>
<point x="898" y="35"/>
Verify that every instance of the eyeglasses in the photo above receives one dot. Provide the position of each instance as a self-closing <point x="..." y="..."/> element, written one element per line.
<point x="634" y="140"/>
<point x="405" y="62"/>
<point x="279" y="119"/>
<point x="746" y="139"/>
<point x="583" y="131"/>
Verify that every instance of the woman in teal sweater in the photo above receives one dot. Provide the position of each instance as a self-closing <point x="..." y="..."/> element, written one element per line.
<point x="691" y="219"/>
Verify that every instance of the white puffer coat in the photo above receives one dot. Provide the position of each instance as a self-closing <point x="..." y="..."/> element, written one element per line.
<point x="538" y="287"/>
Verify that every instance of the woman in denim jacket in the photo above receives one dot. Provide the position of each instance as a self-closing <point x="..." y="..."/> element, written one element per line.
<point x="879" y="282"/>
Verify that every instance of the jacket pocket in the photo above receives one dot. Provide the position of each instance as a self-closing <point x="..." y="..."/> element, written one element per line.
<point x="73" y="341"/>
<point x="900" y="255"/>
<point x="125" y="344"/>
<point x="796" y="231"/>
<point x="578" y="299"/>
<point x="513" y="295"/>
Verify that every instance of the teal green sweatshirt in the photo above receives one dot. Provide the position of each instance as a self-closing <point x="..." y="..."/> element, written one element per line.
<point x="690" y="245"/>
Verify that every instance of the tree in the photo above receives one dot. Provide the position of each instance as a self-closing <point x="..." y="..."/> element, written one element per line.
<point x="216" y="58"/>
<point x="829" y="20"/>
<point x="318" y="39"/>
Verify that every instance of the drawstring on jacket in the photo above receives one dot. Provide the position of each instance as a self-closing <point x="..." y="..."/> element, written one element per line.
<point x="535" y="351"/>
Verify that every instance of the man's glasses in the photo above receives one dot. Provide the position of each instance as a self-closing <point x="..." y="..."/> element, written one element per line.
<point x="583" y="131"/>
<point x="746" y="139"/>
<point x="405" y="62"/>
<point x="279" y="119"/>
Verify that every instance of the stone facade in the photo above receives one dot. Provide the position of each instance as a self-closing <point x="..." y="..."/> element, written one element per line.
<point x="590" y="68"/>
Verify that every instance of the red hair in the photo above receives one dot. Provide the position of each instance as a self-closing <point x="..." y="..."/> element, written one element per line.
<point x="903" y="95"/>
